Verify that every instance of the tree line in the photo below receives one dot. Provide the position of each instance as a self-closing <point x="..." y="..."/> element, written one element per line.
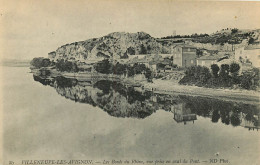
<point x="223" y="76"/>
<point x="107" y="67"/>
<point x="104" y="66"/>
<point x="61" y="64"/>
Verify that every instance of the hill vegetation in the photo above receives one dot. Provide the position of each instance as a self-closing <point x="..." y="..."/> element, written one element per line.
<point x="228" y="35"/>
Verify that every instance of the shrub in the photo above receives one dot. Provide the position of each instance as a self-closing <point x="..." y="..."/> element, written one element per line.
<point x="196" y="75"/>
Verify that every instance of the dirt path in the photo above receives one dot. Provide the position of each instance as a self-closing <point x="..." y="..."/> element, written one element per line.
<point x="169" y="87"/>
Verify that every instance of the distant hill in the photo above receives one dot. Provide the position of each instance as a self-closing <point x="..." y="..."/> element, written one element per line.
<point x="15" y="63"/>
<point x="229" y="36"/>
<point x="116" y="45"/>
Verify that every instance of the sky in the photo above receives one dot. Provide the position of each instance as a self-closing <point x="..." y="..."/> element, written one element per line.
<point x="30" y="28"/>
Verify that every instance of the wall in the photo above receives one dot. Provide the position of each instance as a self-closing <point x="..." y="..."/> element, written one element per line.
<point x="177" y="56"/>
<point x="253" y="55"/>
<point x="189" y="59"/>
<point x="207" y="63"/>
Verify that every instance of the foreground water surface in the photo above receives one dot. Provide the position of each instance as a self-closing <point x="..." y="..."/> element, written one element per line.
<point x="60" y="118"/>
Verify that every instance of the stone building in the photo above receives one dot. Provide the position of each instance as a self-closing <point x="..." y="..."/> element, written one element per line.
<point x="249" y="54"/>
<point x="184" y="55"/>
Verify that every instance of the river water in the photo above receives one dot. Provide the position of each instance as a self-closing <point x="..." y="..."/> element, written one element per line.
<point x="59" y="118"/>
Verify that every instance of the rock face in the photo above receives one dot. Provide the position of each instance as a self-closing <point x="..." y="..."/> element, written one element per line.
<point x="116" y="45"/>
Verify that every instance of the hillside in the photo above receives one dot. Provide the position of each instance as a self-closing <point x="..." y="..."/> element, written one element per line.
<point x="121" y="44"/>
<point x="224" y="36"/>
<point x="116" y="45"/>
<point x="230" y="36"/>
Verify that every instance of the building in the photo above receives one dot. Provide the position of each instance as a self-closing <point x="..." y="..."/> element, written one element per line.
<point x="207" y="60"/>
<point x="249" y="54"/>
<point x="182" y="114"/>
<point x="184" y="55"/>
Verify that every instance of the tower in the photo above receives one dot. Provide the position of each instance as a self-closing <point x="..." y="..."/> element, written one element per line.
<point x="174" y="33"/>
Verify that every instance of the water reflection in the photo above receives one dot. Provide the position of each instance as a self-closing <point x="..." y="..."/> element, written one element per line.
<point x="121" y="100"/>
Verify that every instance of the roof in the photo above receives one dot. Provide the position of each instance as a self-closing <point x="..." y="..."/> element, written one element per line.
<point x="165" y="55"/>
<point x="228" y="61"/>
<point x="185" y="46"/>
<point x="209" y="57"/>
<point x="251" y="47"/>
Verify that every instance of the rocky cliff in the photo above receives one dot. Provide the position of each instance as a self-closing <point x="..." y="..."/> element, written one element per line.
<point x="116" y="45"/>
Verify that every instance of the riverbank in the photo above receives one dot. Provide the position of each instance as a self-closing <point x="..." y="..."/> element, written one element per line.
<point x="169" y="87"/>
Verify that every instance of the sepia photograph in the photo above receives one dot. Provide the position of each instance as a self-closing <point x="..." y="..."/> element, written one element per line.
<point x="129" y="82"/>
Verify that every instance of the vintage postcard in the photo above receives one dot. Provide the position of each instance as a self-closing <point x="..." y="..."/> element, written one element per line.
<point x="135" y="82"/>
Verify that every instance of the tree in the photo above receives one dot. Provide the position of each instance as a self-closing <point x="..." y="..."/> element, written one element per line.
<point x="148" y="74"/>
<point x="130" y="50"/>
<point x="246" y="80"/>
<point x="234" y="69"/>
<point x="139" y="68"/>
<point x="233" y="31"/>
<point x="143" y="49"/>
<point x="204" y="75"/>
<point x="224" y="71"/>
<point x="66" y="66"/>
<point x="119" y="68"/>
<point x="251" y="40"/>
<point x="215" y="70"/>
<point x="103" y="66"/>
<point x="235" y="120"/>
<point x="224" y="75"/>
<point x="39" y="62"/>
<point x="125" y="56"/>
<point x="215" y="116"/>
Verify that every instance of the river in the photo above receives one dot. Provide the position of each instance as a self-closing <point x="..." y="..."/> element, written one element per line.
<point x="60" y="118"/>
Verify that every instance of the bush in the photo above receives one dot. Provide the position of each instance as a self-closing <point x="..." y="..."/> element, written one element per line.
<point x="196" y="75"/>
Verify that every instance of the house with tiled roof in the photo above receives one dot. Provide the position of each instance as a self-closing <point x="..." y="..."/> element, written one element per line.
<point x="208" y="60"/>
